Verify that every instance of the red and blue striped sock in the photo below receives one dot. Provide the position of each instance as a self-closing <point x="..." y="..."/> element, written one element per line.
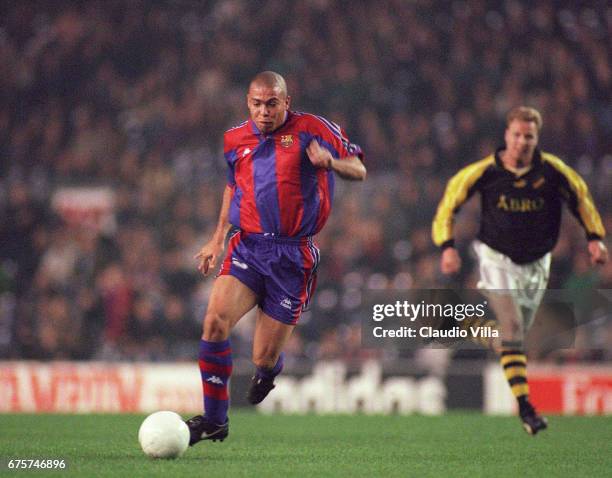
<point x="215" y="360"/>
<point x="270" y="373"/>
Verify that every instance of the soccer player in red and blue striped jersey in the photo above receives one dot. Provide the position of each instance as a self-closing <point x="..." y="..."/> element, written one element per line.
<point x="279" y="193"/>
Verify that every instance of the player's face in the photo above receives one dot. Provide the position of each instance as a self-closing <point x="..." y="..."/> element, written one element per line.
<point x="267" y="107"/>
<point x="521" y="141"/>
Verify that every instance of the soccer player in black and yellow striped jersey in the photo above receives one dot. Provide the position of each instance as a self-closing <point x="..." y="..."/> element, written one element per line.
<point x="522" y="190"/>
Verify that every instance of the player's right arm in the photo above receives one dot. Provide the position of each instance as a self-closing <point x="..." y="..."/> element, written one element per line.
<point x="213" y="249"/>
<point x="458" y="190"/>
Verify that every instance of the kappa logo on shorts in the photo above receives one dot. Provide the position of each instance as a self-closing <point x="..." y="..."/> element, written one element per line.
<point x="237" y="263"/>
<point x="286" y="303"/>
<point x="245" y="152"/>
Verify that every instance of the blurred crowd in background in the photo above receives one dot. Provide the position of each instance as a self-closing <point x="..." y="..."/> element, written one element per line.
<point x="134" y="97"/>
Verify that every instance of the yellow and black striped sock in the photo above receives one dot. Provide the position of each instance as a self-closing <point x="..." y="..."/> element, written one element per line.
<point x="514" y="362"/>
<point x="476" y="322"/>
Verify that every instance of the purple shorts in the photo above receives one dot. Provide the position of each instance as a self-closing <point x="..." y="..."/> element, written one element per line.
<point x="280" y="270"/>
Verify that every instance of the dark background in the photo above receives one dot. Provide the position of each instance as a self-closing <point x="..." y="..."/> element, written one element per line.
<point x="135" y="96"/>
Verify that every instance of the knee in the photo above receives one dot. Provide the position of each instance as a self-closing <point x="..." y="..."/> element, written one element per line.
<point x="216" y="327"/>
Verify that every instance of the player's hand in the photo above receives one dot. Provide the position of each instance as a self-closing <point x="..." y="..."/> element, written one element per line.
<point x="450" y="262"/>
<point x="598" y="252"/>
<point x="319" y="157"/>
<point x="208" y="256"/>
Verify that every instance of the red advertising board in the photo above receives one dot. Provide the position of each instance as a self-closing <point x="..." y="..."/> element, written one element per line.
<point x="563" y="390"/>
<point x="572" y="392"/>
<point x="84" y="387"/>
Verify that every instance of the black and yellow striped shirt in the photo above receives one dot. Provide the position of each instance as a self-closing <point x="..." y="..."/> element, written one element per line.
<point x="520" y="215"/>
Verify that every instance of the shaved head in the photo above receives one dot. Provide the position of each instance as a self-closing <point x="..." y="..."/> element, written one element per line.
<point x="271" y="80"/>
<point x="268" y="101"/>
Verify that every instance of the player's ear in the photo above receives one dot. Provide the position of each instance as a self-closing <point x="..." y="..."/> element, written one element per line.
<point x="288" y="101"/>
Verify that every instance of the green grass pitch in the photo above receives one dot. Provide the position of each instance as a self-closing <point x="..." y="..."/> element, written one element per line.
<point x="457" y="444"/>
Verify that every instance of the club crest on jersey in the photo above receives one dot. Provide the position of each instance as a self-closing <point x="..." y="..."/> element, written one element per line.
<point x="521" y="183"/>
<point x="286" y="140"/>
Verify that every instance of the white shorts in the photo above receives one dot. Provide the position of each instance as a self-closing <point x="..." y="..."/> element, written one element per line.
<point x="526" y="283"/>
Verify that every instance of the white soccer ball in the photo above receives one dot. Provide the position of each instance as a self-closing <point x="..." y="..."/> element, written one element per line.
<point x="163" y="435"/>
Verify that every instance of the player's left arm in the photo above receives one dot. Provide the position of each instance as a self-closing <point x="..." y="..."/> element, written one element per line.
<point x="581" y="204"/>
<point x="349" y="167"/>
<point x="331" y="149"/>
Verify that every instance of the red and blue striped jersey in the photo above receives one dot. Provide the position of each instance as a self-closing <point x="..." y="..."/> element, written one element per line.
<point x="276" y="189"/>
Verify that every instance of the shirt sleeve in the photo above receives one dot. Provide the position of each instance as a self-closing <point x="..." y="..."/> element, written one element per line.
<point x="579" y="199"/>
<point x="335" y="139"/>
<point x="230" y="157"/>
<point x="459" y="189"/>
